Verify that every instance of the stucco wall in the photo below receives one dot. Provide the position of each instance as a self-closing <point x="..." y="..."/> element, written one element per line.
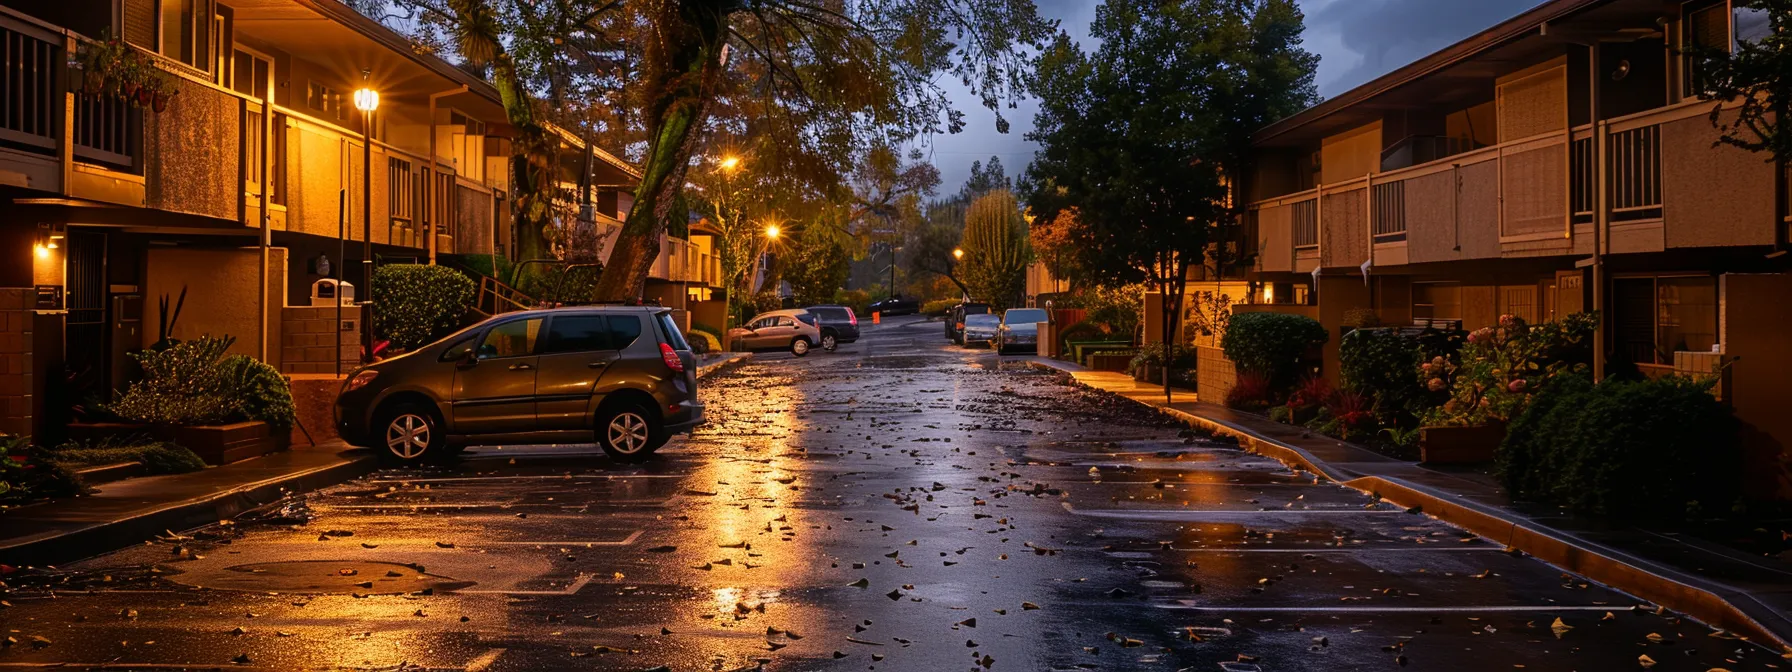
<point x="1344" y="229"/>
<point x="1713" y="196"/>
<point x="191" y="152"/>
<point x="1275" y="238"/>
<point x="1536" y="191"/>
<point x="221" y="295"/>
<point x="1351" y="154"/>
<point x="1755" y="314"/>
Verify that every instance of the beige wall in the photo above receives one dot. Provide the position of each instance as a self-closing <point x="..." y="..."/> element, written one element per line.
<point x="1713" y="196"/>
<point x="191" y="152"/>
<point x="1755" y="314"/>
<point x="1479" y="123"/>
<point x="1351" y="154"/>
<point x="16" y="380"/>
<point x="1275" y="238"/>
<point x="1533" y="101"/>
<point x="1443" y="226"/>
<point x="1344" y="229"/>
<point x="221" y="296"/>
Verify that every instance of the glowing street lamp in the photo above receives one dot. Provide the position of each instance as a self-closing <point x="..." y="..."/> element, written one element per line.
<point x="772" y="232"/>
<point x="730" y="163"/>
<point x="957" y="253"/>
<point x="367" y="100"/>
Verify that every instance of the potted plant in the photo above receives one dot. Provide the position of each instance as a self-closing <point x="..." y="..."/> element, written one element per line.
<point x="111" y="67"/>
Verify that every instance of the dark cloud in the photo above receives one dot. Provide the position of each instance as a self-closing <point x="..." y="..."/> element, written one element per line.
<point x="1364" y="39"/>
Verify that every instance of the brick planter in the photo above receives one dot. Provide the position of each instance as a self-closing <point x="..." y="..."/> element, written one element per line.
<point x="1460" y="445"/>
<point x="216" y="444"/>
<point x="1105" y="362"/>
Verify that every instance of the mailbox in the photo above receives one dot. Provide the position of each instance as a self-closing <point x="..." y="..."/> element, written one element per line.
<point x="327" y="292"/>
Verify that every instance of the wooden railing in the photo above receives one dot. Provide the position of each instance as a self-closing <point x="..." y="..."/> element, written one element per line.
<point x="30" y="107"/>
<point x="107" y="131"/>
<point x="1635" y="159"/>
<point x="1306" y="224"/>
<point x="1389" y="223"/>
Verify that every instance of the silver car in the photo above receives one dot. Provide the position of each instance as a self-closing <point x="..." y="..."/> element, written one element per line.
<point x="1020" y="329"/>
<point x="794" y="330"/>
<point x="981" y="330"/>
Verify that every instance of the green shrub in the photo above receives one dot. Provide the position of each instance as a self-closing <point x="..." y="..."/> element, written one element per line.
<point x="767" y="301"/>
<point x="938" y="308"/>
<point x="483" y="264"/>
<point x="32" y="477"/>
<point x="415" y="304"/>
<point x="260" y="391"/>
<point x="1121" y="308"/>
<point x="857" y="299"/>
<point x="1625" y="450"/>
<point x="1272" y="344"/>
<point x="158" y="457"/>
<point x="181" y="386"/>
<point x="1081" y="331"/>
<point x="710" y="336"/>
<point x="1181" y="357"/>
<point x="1500" y="368"/>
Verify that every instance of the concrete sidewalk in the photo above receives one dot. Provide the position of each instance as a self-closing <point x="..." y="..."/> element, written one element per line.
<point x="1748" y="595"/>
<point x="126" y="512"/>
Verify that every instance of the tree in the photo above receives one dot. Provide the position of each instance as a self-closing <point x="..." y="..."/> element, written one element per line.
<point x="817" y="269"/>
<point x="995" y="249"/>
<point x="930" y="252"/>
<point x="1054" y="247"/>
<point x="984" y="179"/>
<point x="1148" y="137"/>
<point x="1758" y="75"/>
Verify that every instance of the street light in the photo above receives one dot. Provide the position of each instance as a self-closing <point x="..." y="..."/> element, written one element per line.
<point x="772" y="231"/>
<point x="367" y="101"/>
<point x="730" y="162"/>
<point x="957" y="253"/>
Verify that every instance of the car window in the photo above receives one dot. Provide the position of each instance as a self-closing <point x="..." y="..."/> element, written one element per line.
<point x="624" y="329"/>
<point x="458" y="351"/>
<point x="1031" y="316"/>
<point x="577" y="333"/>
<point x="510" y="339"/>
<point x="807" y="318"/>
<point x="982" y="319"/>
<point x="784" y="322"/>
<point x="831" y="314"/>
<point x="976" y="309"/>
<point x="674" y="337"/>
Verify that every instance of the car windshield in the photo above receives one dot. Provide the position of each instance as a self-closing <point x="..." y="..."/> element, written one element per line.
<point x="976" y="308"/>
<point x="984" y="320"/>
<point x="1026" y="316"/>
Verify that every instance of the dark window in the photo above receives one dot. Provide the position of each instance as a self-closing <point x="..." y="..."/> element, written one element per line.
<point x="577" y="333"/>
<point x="807" y="318"/>
<point x="832" y="314"/>
<point x="674" y="337"/>
<point x="511" y="339"/>
<point x="458" y="350"/>
<point x="624" y="329"/>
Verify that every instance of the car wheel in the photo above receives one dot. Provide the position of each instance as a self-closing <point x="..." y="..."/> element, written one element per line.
<point x="629" y="433"/>
<point x="800" y="347"/>
<point x="411" y="434"/>
<point x="829" y="342"/>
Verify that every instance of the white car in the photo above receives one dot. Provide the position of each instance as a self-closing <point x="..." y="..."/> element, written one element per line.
<point x="981" y="330"/>
<point x="795" y="330"/>
<point x="1020" y="329"/>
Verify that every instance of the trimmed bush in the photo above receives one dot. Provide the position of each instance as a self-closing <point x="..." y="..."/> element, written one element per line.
<point x="1625" y="450"/>
<point x="1272" y="344"/>
<point x="1181" y="357"/>
<point x="259" y="390"/>
<point x="415" y="304"/>
<point x="194" y="383"/>
<point x="158" y="457"/>
<point x="938" y="308"/>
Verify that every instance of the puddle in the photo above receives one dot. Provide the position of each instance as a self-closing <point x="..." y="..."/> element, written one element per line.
<point x="321" y="576"/>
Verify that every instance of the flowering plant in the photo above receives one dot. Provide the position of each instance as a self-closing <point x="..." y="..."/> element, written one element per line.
<point x="1501" y="367"/>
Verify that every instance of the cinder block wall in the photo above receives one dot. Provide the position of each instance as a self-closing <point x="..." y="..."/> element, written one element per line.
<point x="16" y="305"/>
<point x="309" y="336"/>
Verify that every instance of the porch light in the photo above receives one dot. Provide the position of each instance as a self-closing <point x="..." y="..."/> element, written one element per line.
<point x="957" y="253"/>
<point x="367" y="100"/>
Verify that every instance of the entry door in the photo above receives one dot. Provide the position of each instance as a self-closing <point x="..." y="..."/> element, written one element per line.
<point x="88" y="329"/>
<point x="497" y="393"/>
<point x="1633" y="318"/>
<point x="577" y="354"/>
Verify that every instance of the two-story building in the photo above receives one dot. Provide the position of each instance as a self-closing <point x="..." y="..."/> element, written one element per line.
<point x="258" y="177"/>
<point x="1555" y="163"/>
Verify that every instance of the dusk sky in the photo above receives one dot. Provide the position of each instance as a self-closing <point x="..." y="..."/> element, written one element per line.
<point x="1357" y="41"/>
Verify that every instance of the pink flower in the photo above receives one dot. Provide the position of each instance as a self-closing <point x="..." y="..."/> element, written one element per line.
<point x="1515" y="386"/>
<point x="1426" y="367"/>
<point x="1436" y="385"/>
<point x="1505" y="320"/>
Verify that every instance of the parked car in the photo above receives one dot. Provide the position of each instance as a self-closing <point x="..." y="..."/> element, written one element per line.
<point x="794" y="329"/>
<point x="838" y="325"/>
<point x="624" y="376"/>
<point x="897" y="305"/>
<point x="980" y="329"/>
<point x="1020" y="329"/>
<point x="955" y="319"/>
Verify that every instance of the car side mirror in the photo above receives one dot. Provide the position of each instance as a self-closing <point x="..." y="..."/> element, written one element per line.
<point x="468" y="361"/>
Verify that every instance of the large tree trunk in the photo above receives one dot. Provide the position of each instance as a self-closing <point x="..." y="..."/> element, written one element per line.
<point x="685" y="64"/>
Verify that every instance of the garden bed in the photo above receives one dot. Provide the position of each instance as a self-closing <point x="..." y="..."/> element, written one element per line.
<point x="216" y="444"/>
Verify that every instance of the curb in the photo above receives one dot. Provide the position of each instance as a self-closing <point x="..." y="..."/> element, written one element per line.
<point x="728" y="361"/>
<point x="106" y="536"/>
<point x="1720" y="606"/>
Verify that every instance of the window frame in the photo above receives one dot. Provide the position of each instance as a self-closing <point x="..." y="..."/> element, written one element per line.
<point x="534" y="346"/>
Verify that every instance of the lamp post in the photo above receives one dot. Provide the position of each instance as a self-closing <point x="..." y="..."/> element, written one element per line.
<point x="958" y="256"/>
<point x="366" y="100"/>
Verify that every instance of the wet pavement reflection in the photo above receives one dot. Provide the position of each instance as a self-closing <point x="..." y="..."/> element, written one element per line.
<point x="898" y="505"/>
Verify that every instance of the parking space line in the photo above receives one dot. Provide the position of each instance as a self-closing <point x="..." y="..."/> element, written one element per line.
<point x="570" y="589"/>
<point x="1350" y="549"/>
<point x="484" y="660"/>
<point x="1518" y="608"/>
<point x="560" y="477"/>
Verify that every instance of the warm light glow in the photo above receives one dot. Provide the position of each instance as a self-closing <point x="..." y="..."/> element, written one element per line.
<point x="958" y="253"/>
<point x="43" y="252"/>
<point x="367" y="100"/>
<point x="771" y="231"/>
<point x="730" y="162"/>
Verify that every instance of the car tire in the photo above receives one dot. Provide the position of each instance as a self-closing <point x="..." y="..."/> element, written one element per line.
<point x="829" y="342"/>
<point x="800" y="347"/>
<point x="410" y="434"/>
<point x="629" y="433"/>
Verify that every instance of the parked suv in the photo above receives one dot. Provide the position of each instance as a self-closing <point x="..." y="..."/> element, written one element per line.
<point x="838" y="325"/>
<point x="622" y="376"/>
<point x="955" y="319"/>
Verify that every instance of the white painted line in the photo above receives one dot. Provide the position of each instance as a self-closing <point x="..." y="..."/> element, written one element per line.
<point x="484" y="660"/>
<point x="568" y="590"/>
<point x="1390" y="610"/>
<point x="1209" y="514"/>
<point x="558" y="542"/>
<point x="1353" y="549"/>
<point x="486" y="505"/>
<point x="561" y="477"/>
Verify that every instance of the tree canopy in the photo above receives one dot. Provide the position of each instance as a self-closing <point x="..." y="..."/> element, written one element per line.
<point x="1757" y="75"/>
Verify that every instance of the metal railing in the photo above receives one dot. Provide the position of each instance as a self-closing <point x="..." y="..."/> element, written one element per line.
<point x="30" y="106"/>
<point x="107" y="130"/>
<point x="1635" y="159"/>
<point x="253" y="149"/>
<point x="1390" y="211"/>
<point x="1306" y="224"/>
<point x="1580" y="185"/>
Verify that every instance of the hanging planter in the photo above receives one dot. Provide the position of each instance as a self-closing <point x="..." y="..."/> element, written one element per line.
<point x="110" y="67"/>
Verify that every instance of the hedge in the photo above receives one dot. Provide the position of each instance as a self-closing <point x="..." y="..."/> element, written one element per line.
<point x="1272" y="344"/>
<point x="415" y="304"/>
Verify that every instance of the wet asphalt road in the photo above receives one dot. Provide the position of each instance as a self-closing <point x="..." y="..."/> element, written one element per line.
<point x="898" y="505"/>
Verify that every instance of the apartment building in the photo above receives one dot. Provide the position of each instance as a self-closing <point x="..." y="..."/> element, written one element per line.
<point x="1558" y="162"/>
<point x="262" y="174"/>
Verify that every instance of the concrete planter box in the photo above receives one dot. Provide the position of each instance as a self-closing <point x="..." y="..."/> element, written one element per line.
<point x="1116" y="363"/>
<point x="1460" y="445"/>
<point x="216" y="444"/>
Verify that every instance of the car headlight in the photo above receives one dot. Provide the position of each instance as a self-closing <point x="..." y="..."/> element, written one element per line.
<point x="360" y="380"/>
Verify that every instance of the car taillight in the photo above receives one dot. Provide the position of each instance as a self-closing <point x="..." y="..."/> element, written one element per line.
<point x="852" y="317"/>
<point x="671" y="357"/>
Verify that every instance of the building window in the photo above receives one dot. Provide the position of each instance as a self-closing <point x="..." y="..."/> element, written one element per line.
<point x="187" y="32"/>
<point x="326" y="101"/>
<point x="1654" y="318"/>
<point x="1707" y="32"/>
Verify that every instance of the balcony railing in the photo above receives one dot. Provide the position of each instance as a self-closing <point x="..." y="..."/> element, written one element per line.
<point x="1635" y="160"/>
<point x="1306" y="224"/>
<point x="30" y="106"/>
<point x="1390" y="212"/>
